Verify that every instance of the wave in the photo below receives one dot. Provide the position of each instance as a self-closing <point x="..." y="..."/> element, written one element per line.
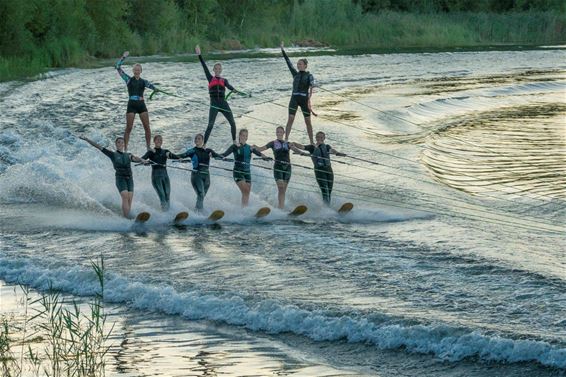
<point x="446" y="342"/>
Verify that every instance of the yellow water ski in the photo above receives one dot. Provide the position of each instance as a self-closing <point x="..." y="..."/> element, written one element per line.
<point x="181" y="216"/>
<point x="142" y="217"/>
<point x="298" y="211"/>
<point x="346" y="207"/>
<point x="216" y="215"/>
<point x="262" y="212"/>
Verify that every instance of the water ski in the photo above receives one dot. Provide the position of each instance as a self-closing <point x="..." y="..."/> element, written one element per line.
<point x="345" y="208"/>
<point x="216" y="215"/>
<point x="299" y="210"/>
<point x="181" y="216"/>
<point x="142" y="217"/>
<point x="262" y="212"/>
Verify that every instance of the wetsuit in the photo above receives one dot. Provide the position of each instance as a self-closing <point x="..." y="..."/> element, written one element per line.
<point x="159" y="176"/>
<point x="217" y="89"/>
<point x="320" y="156"/>
<point x="282" y="165"/>
<point x="136" y="87"/>
<point x="242" y="161"/>
<point x="302" y="81"/>
<point x="200" y="176"/>
<point x="122" y="165"/>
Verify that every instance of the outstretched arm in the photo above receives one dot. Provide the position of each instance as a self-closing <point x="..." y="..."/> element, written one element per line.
<point x="261" y="149"/>
<point x="258" y="153"/>
<point x="229" y="151"/>
<point x="137" y="159"/>
<point x="118" y="67"/>
<point x="206" y="71"/>
<point x="340" y="154"/>
<point x="173" y="156"/>
<point x="97" y="146"/>
<point x="289" y="64"/>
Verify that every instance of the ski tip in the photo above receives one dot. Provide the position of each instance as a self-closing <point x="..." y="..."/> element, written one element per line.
<point x="216" y="215"/>
<point x="142" y="217"/>
<point x="299" y="210"/>
<point x="262" y="212"/>
<point x="181" y="216"/>
<point x="345" y="208"/>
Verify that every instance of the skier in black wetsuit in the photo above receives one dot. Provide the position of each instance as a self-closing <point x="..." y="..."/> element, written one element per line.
<point x="217" y="89"/>
<point x="200" y="176"/>
<point x="320" y="155"/>
<point x="136" y="104"/>
<point x="303" y="83"/>
<point x="122" y="165"/>
<point x="242" y="164"/>
<point x="282" y="165"/>
<point x="159" y="177"/>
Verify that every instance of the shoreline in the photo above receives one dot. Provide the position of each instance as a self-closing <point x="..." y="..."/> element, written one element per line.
<point x="293" y="51"/>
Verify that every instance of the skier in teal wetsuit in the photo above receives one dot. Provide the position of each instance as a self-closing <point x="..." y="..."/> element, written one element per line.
<point x="159" y="177"/>
<point x="122" y="164"/>
<point x="136" y="104"/>
<point x="200" y="175"/>
<point x="242" y="164"/>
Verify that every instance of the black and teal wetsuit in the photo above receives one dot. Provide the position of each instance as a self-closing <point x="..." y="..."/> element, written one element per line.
<point x="282" y="165"/>
<point x="302" y="82"/>
<point x="159" y="176"/>
<point x="136" y="87"/>
<point x="242" y="161"/>
<point x="200" y="176"/>
<point x="217" y="90"/>
<point x="123" y="167"/>
<point x="320" y="156"/>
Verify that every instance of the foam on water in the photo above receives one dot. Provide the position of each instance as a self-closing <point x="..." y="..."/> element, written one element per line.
<point x="271" y="316"/>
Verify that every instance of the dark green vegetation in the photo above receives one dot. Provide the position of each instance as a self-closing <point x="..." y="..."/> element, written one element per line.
<point x="40" y="34"/>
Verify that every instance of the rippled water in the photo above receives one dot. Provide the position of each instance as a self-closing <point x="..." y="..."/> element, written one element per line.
<point x="452" y="262"/>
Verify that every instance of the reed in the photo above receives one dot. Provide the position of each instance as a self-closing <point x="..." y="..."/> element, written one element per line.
<point x="59" y="339"/>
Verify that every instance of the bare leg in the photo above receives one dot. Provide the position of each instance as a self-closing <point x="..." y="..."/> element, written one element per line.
<point x="289" y="126"/>
<point x="126" y="202"/>
<point x="245" y="188"/>
<point x="129" y="126"/>
<point x="309" y="128"/>
<point x="281" y="190"/>
<point x="145" y="122"/>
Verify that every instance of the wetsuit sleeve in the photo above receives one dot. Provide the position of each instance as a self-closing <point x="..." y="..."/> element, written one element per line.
<point x="311" y="80"/>
<point x="146" y="155"/>
<point x="227" y="84"/>
<point x="121" y="72"/>
<point x="172" y="155"/>
<point x="256" y="152"/>
<point x="206" y="71"/>
<point x="213" y="153"/>
<point x="309" y="148"/>
<point x="289" y="64"/>
<point x="149" y="85"/>
<point x="269" y="145"/>
<point x="108" y="153"/>
<point x="229" y="151"/>
<point x="188" y="153"/>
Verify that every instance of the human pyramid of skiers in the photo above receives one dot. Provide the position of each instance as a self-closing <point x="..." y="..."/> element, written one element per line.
<point x="199" y="156"/>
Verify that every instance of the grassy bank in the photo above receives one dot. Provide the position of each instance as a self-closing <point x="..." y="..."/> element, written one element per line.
<point x="340" y="24"/>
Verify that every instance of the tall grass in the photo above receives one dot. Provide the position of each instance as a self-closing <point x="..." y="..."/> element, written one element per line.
<point x="59" y="339"/>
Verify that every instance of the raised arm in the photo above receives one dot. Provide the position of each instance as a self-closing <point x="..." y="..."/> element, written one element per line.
<point x="118" y="67"/>
<point x="289" y="64"/>
<point x="206" y="71"/>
